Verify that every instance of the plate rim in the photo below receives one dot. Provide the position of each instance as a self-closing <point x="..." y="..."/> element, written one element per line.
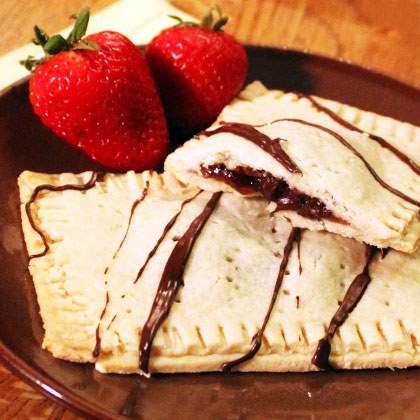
<point x="64" y="396"/>
<point x="51" y="388"/>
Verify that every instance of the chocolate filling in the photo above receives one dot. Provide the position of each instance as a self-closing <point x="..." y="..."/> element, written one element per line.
<point x="250" y="133"/>
<point x="247" y="181"/>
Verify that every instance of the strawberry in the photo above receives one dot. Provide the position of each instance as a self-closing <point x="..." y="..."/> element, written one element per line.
<point x="198" y="69"/>
<point x="98" y="95"/>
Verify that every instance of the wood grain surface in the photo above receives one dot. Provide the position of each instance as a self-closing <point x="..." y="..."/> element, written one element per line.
<point x="380" y="35"/>
<point x="18" y="18"/>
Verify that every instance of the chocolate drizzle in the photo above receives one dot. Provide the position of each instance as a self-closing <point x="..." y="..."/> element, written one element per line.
<point x="133" y="209"/>
<point x="97" y="349"/>
<point x="155" y="248"/>
<point x="294" y="236"/>
<point x="355" y="152"/>
<point x="96" y="177"/>
<point x="298" y="241"/>
<point x="250" y="133"/>
<point x="404" y="158"/>
<point x="163" y="235"/>
<point x="353" y="295"/>
<point x="171" y="280"/>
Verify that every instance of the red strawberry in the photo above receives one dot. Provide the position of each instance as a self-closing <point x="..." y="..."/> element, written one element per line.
<point x="197" y="69"/>
<point x="97" y="94"/>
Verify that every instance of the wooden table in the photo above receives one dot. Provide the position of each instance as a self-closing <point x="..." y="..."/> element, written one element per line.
<point x="383" y="36"/>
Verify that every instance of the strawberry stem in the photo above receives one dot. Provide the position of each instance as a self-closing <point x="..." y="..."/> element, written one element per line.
<point x="56" y="43"/>
<point x="41" y="37"/>
<point x="208" y="20"/>
<point x="80" y="26"/>
<point x="220" y="23"/>
<point x="182" y="23"/>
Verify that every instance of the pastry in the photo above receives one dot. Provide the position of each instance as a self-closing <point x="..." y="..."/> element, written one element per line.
<point x="70" y="237"/>
<point x="258" y="105"/>
<point x="140" y="274"/>
<point x="320" y="171"/>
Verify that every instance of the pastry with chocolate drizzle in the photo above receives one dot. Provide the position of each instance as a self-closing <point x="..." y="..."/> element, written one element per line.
<point x="317" y="169"/>
<point x="176" y="287"/>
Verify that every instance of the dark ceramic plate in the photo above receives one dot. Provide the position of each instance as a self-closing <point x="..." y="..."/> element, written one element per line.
<point x="26" y="144"/>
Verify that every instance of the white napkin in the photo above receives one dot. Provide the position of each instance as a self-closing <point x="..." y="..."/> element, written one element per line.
<point x="139" y="20"/>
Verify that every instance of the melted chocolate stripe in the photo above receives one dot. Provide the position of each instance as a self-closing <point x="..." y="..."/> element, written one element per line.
<point x="97" y="349"/>
<point x="155" y="248"/>
<point x="133" y="209"/>
<point x="294" y="236"/>
<point x="356" y="153"/>
<point x="96" y="176"/>
<point x="400" y="155"/>
<point x="351" y="299"/>
<point x="250" y="133"/>
<point x="298" y="241"/>
<point x="171" y="280"/>
<point x="162" y="237"/>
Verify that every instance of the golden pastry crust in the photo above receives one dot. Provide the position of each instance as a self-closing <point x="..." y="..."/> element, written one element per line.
<point x="355" y="182"/>
<point x="258" y="105"/>
<point x="82" y="230"/>
<point x="99" y="241"/>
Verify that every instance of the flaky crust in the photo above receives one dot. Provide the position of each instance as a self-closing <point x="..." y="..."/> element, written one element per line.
<point x="258" y="105"/>
<point x="87" y="279"/>
<point x="330" y="171"/>
<point x="82" y="230"/>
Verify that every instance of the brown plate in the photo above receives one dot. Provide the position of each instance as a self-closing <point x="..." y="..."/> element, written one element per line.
<point x="26" y="144"/>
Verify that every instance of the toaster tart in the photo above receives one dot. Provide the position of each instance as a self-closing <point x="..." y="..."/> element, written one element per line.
<point x="319" y="170"/>
<point x="138" y="273"/>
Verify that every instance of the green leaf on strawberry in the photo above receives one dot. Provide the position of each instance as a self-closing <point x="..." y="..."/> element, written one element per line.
<point x="41" y="37"/>
<point x="57" y="43"/>
<point x="208" y="19"/>
<point x="80" y="26"/>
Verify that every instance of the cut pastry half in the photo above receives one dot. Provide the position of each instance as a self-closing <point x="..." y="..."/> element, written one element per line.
<point x="140" y="274"/>
<point x="319" y="172"/>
